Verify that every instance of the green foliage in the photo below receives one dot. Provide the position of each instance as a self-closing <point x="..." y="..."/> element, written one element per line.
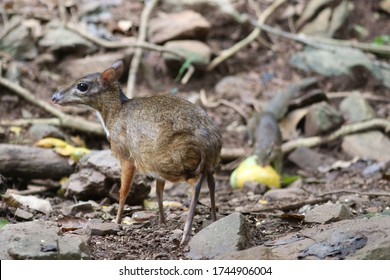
<point x="288" y="179"/>
<point x="382" y="40"/>
<point x="3" y="222"/>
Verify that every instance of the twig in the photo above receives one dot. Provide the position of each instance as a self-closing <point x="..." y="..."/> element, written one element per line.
<point x="149" y="6"/>
<point x="366" y="95"/>
<point x="355" y="192"/>
<point x="209" y="104"/>
<point x="65" y="120"/>
<point x="344" y="130"/>
<point x="9" y="27"/>
<point x="123" y="44"/>
<point x="233" y="153"/>
<point x="324" y="43"/>
<point x="244" y="42"/>
<point x="28" y="122"/>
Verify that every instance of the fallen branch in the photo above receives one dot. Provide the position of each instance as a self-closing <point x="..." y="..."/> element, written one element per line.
<point x="324" y="43"/>
<point x="32" y="162"/>
<point x="135" y="62"/>
<point x="233" y="153"/>
<point x="127" y="43"/>
<point x="209" y="104"/>
<point x="355" y="192"/>
<point x="251" y="37"/>
<point x="344" y="130"/>
<point x="28" y="122"/>
<point x="64" y="119"/>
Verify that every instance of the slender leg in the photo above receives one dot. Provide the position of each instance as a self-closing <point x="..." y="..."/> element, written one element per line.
<point x="159" y="192"/>
<point x="211" y="185"/>
<point x="128" y="172"/>
<point x="191" y="211"/>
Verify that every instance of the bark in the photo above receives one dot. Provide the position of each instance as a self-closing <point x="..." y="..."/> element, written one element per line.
<point x="32" y="162"/>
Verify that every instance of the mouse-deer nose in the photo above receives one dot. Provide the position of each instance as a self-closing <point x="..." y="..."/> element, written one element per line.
<point x="56" y="97"/>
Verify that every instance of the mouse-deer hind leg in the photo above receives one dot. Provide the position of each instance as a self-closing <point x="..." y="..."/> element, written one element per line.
<point x="211" y="185"/>
<point x="191" y="211"/>
<point x="159" y="193"/>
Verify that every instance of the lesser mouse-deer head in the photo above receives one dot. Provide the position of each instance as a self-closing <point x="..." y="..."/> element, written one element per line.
<point x="87" y="89"/>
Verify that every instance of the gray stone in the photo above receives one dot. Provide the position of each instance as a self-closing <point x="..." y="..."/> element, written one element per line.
<point x="198" y="52"/>
<point x="39" y="131"/>
<point x="309" y="159"/>
<point x="104" y="162"/>
<point x="23" y="215"/>
<point x="77" y="67"/>
<point x="57" y="37"/>
<point x="247" y="86"/>
<point x="102" y="228"/>
<point x="77" y="208"/>
<point x="285" y="195"/>
<point x="19" y="43"/>
<point x="99" y="176"/>
<point x="221" y="237"/>
<point x="327" y="213"/>
<point x="375" y="230"/>
<point x="87" y="183"/>
<point x="372" y="145"/>
<point x="181" y="25"/>
<point x="321" y="119"/>
<point x="356" y="109"/>
<point x="143" y="216"/>
<point x="40" y="240"/>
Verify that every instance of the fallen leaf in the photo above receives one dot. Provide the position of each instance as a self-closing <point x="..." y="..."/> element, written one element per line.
<point x="69" y="223"/>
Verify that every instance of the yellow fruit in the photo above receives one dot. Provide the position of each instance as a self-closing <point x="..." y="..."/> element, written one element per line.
<point x="250" y="171"/>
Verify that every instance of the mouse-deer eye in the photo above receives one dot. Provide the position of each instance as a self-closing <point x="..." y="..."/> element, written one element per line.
<point x="83" y="87"/>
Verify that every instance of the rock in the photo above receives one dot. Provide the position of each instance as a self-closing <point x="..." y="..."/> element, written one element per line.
<point x="356" y="109"/>
<point x="308" y="159"/>
<point x="226" y="10"/>
<point x="327" y="213"/>
<point x="247" y="86"/>
<point x="221" y="237"/>
<point x="372" y="232"/>
<point x="104" y="162"/>
<point x="78" y="67"/>
<point x="198" y="52"/>
<point x="87" y="183"/>
<point x="19" y="43"/>
<point x="321" y="119"/>
<point x="99" y="176"/>
<point x="286" y="195"/>
<point x="77" y="208"/>
<point x="102" y="228"/>
<point x="181" y="25"/>
<point x="23" y="215"/>
<point x="340" y="61"/>
<point x="384" y="5"/>
<point x="32" y="202"/>
<point x="143" y="216"/>
<point x="39" y="131"/>
<point x="57" y="38"/>
<point x="373" y="145"/>
<point x="40" y="240"/>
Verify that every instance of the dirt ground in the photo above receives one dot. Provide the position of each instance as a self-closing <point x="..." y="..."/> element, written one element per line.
<point x="152" y="241"/>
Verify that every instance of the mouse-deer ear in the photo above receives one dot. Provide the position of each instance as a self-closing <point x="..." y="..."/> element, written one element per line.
<point x="118" y="66"/>
<point x="113" y="73"/>
<point x="108" y="76"/>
